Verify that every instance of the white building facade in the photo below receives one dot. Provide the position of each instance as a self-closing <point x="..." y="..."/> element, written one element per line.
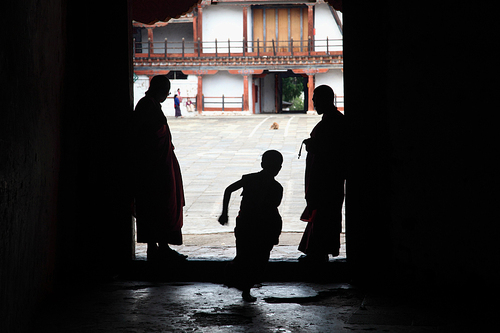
<point x="232" y="57"/>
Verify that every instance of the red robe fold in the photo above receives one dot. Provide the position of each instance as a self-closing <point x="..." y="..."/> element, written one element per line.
<point x="159" y="194"/>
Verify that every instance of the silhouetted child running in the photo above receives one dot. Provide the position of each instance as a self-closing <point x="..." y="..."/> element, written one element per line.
<point x="258" y="224"/>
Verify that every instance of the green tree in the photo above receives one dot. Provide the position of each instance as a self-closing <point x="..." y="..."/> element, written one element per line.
<point x="292" y="87"/>
<point x="297" y="103"/>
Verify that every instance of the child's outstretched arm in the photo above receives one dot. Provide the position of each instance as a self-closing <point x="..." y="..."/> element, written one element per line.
<point x="223" y="219"/>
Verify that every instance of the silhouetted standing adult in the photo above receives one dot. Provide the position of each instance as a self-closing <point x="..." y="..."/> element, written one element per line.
<point x="324" y="181"/>
<point x="159" y="194"/>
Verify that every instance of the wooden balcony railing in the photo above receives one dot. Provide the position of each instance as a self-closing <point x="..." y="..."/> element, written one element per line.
<point x="198" y="50"/>
<point x="234" y="103"/>
<point x="222" y="103"/>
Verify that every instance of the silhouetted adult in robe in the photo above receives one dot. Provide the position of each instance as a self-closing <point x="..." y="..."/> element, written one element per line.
<point x="159" y="194"/>
<point x="324" y="181"/>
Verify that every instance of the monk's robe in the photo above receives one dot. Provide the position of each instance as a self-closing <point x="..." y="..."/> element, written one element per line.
<point x="324" y="186"/>
<point x="158" y="190"/>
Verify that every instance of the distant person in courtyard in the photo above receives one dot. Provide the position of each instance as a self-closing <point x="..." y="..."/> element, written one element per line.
<point x="324" y="181"/>
<point x="177" y="106"/>
<point x="258" y="224"/>
<point x="189" y="105"/>
<point x="158" y="190"/>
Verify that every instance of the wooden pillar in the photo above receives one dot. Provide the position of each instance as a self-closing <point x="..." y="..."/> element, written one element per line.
<point x="245" y="25"/>
<point x="245" y="93"/>
<point x="199" y="27"/>
<point x="254" y="94"/>
<point x="150" y="33"/>
<point x="276" y="93"/>
<point x="310" y="91"/>
<point x="195" y="26"/>
<point x="310" y="22"/>
<point x="199" y="94"/>
<point x="150" y="39"/>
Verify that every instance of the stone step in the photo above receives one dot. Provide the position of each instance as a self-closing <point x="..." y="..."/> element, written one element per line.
<point x="336" y="270"/>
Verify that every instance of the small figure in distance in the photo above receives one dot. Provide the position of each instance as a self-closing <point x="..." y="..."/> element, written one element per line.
<point x="177" y="106"/>
<point x="189" y="105"/>
<point x="179" y="94"/>
<point x="258" y="224"/>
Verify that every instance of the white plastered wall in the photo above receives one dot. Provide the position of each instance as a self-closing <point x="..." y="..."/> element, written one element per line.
<point x="335" y="79"/>
<point x="174" y="32"/>
<point x="222" y="23"/>
<point x="326" y="26"/>
<point x="224" y="83"/>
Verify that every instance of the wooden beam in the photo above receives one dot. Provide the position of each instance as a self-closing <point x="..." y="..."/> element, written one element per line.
<point x="195" y="27"/>
<point x="310" y="21"/>
<point x="151" y="72"/>
<point x="200" y="72"/>
<point x="245" y="26"/>
<point x="200" y="26"/>
<point x="337" y="20"/>
<point x="310" y="71"/>
<point x="155" y="25"/>
<point x="246" y="71"/>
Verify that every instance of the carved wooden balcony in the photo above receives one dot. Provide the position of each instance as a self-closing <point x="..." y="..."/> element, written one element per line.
<point x="229" y="54"/>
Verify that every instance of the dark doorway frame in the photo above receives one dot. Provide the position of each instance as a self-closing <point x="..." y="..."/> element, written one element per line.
<point x="279" y="92"/>
<point x="278" y="98"/>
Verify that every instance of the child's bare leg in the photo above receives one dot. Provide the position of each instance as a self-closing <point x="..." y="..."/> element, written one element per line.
<point x="247" y="297"/>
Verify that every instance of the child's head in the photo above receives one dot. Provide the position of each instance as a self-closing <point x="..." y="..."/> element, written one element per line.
<point x="271" y="162"/>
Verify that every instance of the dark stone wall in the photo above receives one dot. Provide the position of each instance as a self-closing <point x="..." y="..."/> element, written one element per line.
<point x="420" y="196"/>
<point x="64" y="198"/>
<point x="368" y="182"/>
<point x="32" y="62"/>
<point x="95" y="188"/>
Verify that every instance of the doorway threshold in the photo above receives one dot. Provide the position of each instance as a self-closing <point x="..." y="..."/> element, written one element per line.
<point x="213" y="270"/>
<point x="222" y="247"/>
<point x="208" y="255"/>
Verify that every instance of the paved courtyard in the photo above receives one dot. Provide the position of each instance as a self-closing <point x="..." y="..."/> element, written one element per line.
<point x="213" y="152"/>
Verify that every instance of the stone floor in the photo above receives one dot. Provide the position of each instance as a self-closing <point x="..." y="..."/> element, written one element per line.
<point x="214" y="152"/>
<point x="138" y="306"/>
<point x="221" y="246"/>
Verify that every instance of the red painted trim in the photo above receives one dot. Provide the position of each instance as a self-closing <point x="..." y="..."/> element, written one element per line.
<point x="152" y="72"/>
<point x="200" y="72"/>
<point x="310" y="70"/>
<point x="246" y="71"/>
